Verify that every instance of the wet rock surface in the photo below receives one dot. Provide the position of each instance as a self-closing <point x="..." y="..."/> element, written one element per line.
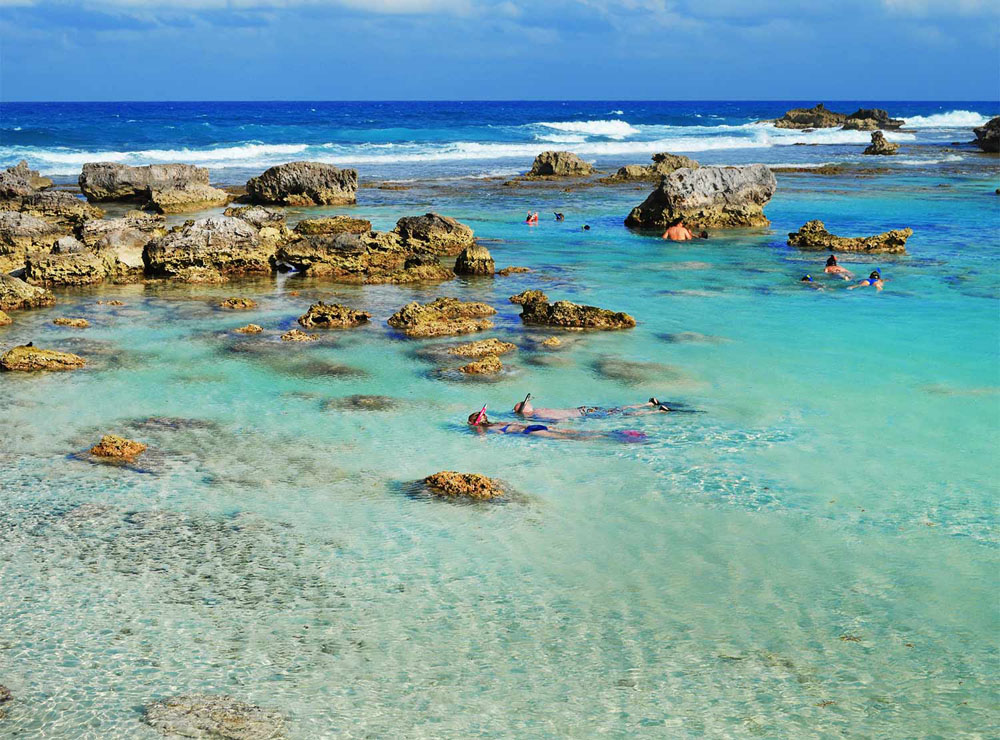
<point x="433" y="233"/>
<point x="29" y="359"/>
<point x="471" y="486"/>
<point x="221" y="244"/>
<point x="74" y="323"/>
<point x="214" y="716"/>
<point x="513" y="270"/>
<point x="709" y="197"/>
<point x="16" y="294"/>
<point x="5" y="320"/>
<point x="113" y="446"/>
<point x="295" y="335"/>
<point x="559" y="164"/>
<point x="238" y="304"/>
<point x="304" y="184"/>
<point x="813" y="235"/>
<point x="333" y="316"/>
<point x="537" y="310"/>
<point x="488" y="365"/>
<point x="815" y="117"/>
<point x="475" y="260"/>
<point x="871" y="119"/>
<point x="881" y="145"/>
<point x="442" y="317"/>
<point x="988" y="135"/>
<point x="249" y="329"/>
<point x="482" y="348"/>
<point x="21" y="233"/>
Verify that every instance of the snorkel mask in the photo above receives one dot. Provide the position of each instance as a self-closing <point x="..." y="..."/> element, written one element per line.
<point x="519" y="407"/>
<point x="481" y="416"/>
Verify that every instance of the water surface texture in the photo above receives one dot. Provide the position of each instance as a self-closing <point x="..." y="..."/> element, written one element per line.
<point x="814" y="555"/>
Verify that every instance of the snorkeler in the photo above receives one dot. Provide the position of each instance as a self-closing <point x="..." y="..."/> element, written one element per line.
<point x="532" y="218"/>
<point x="526" y="409"/>
<point x="807" y="281"/>
<point x="560" y="217"/>
<point x="874" y="279"/>
<point x="678" y="232"/>
<point x="835" y="269"/>
<point x="479" y="421"/>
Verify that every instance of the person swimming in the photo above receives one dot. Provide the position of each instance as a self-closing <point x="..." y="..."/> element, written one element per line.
<point x="678" y="232"/>
<point x="560" y="217"/>
<point x="833" y="268"/>
<point x="874" y="279"/>
<point x="481" y="423"/>
<point x="532" y="218"/>
<point x="807" y="281"/>
<point x="526" y="409"/>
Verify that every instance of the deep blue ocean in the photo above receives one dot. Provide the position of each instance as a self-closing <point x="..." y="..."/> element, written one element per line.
<point x="813" y="555"/>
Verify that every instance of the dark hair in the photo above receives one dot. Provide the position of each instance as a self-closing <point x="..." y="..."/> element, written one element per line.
<point x="704" y="235"/>
<point x="806" y="279"/>
<point x="875" y="275"/>
<point x="677" y="222"/>
<point x="831" y="260"/>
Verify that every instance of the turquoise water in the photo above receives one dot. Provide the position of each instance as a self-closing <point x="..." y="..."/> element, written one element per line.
<point x="814" y="555"/>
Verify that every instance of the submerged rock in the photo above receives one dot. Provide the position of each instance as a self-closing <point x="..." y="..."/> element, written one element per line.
<point x="333" y="316"/>
<point x="537" y="310"/>
<point x="294" y="335"/>
<point x="249" y="329"/>
<point x="552" y="342"/>
<point x="513" y="270"/>
<point x="117" y="447"/>
<point x="333" y="225"/>
<point x="482" y="348"/>
<point x="880" y="145"/>
<point x="473" y="486"/>
<point x="238" y="304"/>
<point x="488" y="365"/>
<point x="475" y="260"/>
<point x="559" y="164"/>
<point x="15" y="294"/>
<point x="434" y="234"/>
<point x="988" y="135"/>
<point x="817" y="117"/>
<point x="813" y="235"/>
<point x="75" y="323"/>
<point x="362" y="403"/>
<point x="304" y="184"/>
<point x="35" y="358"/>
<point x="709" y="197"/>
<point x="214" y="716"/>
<point x="221" y="244"/>
<point x="442" y="317"/>
<point x="5" y="697"/>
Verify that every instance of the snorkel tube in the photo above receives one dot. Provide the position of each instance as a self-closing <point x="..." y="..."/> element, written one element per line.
<point x="482" y="413"/>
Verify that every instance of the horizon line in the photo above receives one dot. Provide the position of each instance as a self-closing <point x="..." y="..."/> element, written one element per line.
<point x="509" y="100"/>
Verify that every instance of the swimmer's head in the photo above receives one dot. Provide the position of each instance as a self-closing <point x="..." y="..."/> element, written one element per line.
<point x="831" y="261"/>
<point x="524" y="407"/>
<point x="806" y="279"/>
<point x="875" y="275"/>
<point x="677" y="222"/>
<point x="478" y="419"/>
<point x="703" y="235"/>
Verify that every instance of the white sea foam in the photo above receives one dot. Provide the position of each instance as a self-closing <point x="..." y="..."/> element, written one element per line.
<point x="951" y="119"/>
<point x="612" y="129"/>
<point x="617" y="113"/>
<point x="561" y="138"/>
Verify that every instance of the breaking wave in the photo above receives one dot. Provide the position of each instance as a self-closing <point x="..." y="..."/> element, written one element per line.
<point x="951" y="119"/>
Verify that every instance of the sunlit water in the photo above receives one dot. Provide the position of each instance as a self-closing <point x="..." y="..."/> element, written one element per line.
<point x="814" y="555"/>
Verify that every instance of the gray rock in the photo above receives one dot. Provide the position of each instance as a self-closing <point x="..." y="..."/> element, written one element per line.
<point x="434" y="234"/>
<point x="19" y="180"/>
<point x="101" y="181"/>
<point x="709" y="197"/>
<point x="16" y="294"/>
<point x="559" y="164"/>
<point x="304" y="184"/>
<point x="221" y="244"/>
<point x="21" y="233"/>
<point x="257" y="216"/>
<point x="57" y="206"/>
<point x="813" y="235"/>
<point x="214" y="716"/>
<point x="988" y="135"/>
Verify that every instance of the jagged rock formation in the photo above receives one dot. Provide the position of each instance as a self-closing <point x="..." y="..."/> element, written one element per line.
<point x="21" y="233"/>
<point x="19" y="180"/>
<point x="559" y="164"/>
<point x="304" y="184"/>
<point x="871" y="119"/>
<point x="880" y="145"/>
<point x="434" y="234"/>
<point x="709" y="197"/>
<point x="166" y="188"/>
<point x="482" y="348"/>
<point x="16" y="294"/>
<point x="813" y="235"/>
<point x="536" y="309"/>
<point x="238" y="304"/>
<point x="257" y="216"/>
<point x="988" y="135"/>
<point x="333" y="225"/>
<point x="220" y="245"/>
<point x="663" y="164"/>
<point x="333" y="316"/>
<point x="117" y="447"/>
<point x="817" y="117"/>
<point x="449" y="483"/>
<point x="488" y="365"/>
<point x="475" y="260"/>
<point x="74" y="323"/>
<point x="442" y="317"/>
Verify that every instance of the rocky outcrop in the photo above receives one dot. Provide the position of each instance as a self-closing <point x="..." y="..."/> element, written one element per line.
<point x="333" y="225"/>
<point x="333" y="316"/>
<point x="442" y="317"/>
<point x="186" y="199"/>
<point x="250" y="329"/>
<point x="475" y="260"/>
<point x="434" y="234"/>
<point x="559" y="164"/>
<point x="304" y="184"/>
<point x="18" y="180"/>
<point x="813" y="235"/>
<point x="880" y="145"/>
<point x="238" y="304"/>
<point x="5" y="698"/>
<point x="536" y="309"/>
<point x="988" y="135"/>
<point x="221" y="244"/>
<point x="214" y="716"/>
<point x="870" y="119"/>
<point x="489" y="365"/>
<point x="118" y="448"/>
<point x="21" y="233"/>
<point x="25" y="358"/>
<point x="61" y="208"/>
<point x="513" y="270"/>
<point x="125" y="237"/>
<point x="482" y="348"/>
<point x="294" y="335"/>
<point x="81" y="266"/>
<point x="74" y="323"/>
<point x="709" y="197"/>
<point x="450" y="484"/>
<point x="257" y="216"/>
<point x="817" y="117"/>
<point x="108" y="181"/>
<point x="15" y="294"/>
<point x="5" y="320"/>
<point x="663" y="164"/>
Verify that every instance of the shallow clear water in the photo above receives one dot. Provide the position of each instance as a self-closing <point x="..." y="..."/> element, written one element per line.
<point x="825" y="531"/>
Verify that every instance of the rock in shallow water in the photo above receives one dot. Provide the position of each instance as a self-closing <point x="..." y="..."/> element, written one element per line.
<point x="488" y="365"/>
<point x="238" y="304"/>
<point x="442" y="317"/>
<point x="304" y="184"/>
<point x="75" y="323"/>
<point x="249" y="329"/>
<point x="475" y="260"/>
<point x="473" y="486"/>
<point x="433" y="233"/>
<point x="537" y="310"/>
<point x="117" y="447"/>
<point x="217" y="246"/>
<point x="28" y="359"/>
<point x="214" y="716"/>
<point x="15" y="294"/>
<point x="333" y="316"/>
<point x="988" y="136"/>
<point x="482" y="348"/>
<point x="881" y="145"/>
<point x="813" y="235"/>
<point x="294" y="335"/>
<point x="559" y="164"/>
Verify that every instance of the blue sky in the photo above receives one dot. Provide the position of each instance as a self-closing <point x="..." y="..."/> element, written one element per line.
<point x="499" y="49"/>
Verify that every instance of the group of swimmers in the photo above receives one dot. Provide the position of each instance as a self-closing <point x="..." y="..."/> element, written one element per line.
<point x="481" y="423"/>
<point x="874" y="279"/>
<point x="532" y="218"/>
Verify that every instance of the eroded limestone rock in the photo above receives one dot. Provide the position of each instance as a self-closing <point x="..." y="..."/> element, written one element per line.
<point x="813" y="235"/>
<point x="333" y="316"/>
<point x="16" y="294"/>
<point x="27" y="358"/>
<point x="473" y="486"/>
<point x="881" y="145"/>
<point x="214" y="716"/>
<point x="475" y="260"/>
<point x="482" y="348"/>
<point x="537" y="310"/>
<point x="117" y="447"/>
<point x="433" y="233"/>
<point x="442" y="317"/>
<point x="304" y="184"/>
<point x="559" y="164"/>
